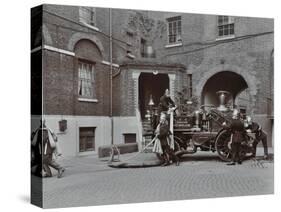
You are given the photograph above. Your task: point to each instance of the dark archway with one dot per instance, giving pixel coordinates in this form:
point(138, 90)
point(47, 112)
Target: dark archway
point(151, 84)
point(227, 81)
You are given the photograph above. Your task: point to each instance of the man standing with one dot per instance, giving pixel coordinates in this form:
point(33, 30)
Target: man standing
point(165, 102)
point(260, 135)
point(168, 107)
point(237, 135)
point(162, 133)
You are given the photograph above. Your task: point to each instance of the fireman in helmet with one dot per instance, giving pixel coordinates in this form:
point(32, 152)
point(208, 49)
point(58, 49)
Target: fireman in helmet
point(165, 102)
point(163, 132)
point(260, 135)
point(237, 135)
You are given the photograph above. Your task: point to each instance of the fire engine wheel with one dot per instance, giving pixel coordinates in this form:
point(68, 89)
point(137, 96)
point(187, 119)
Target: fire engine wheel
point(222, 145)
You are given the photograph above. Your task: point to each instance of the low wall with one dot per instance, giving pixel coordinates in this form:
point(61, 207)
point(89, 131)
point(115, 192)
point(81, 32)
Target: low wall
point(104, 151)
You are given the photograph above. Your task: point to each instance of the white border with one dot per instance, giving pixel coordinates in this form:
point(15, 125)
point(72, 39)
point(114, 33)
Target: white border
point(15, 107)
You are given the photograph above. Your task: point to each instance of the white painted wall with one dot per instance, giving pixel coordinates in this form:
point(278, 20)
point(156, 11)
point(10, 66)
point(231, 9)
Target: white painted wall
point(124, 125)
point(69, 140)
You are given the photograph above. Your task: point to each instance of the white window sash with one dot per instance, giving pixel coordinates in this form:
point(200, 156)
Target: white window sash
point(86, 80)
point(174, 30)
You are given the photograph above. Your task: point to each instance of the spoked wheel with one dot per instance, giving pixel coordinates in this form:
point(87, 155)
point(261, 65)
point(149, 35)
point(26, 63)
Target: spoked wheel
point(222, 145)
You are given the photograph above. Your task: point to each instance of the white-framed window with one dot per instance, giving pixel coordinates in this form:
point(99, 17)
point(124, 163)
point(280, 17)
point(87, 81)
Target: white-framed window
point(225, 26)
point(86, 80)
point(174, 30)
point(87, 15)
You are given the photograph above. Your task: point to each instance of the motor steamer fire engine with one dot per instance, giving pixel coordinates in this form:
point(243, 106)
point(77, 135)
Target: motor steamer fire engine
point(204, 130)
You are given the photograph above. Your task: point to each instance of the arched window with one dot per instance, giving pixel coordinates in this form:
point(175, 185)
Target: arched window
point(88, 55)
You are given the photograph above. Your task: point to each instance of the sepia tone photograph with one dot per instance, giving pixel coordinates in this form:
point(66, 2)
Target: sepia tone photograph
point(132, 106)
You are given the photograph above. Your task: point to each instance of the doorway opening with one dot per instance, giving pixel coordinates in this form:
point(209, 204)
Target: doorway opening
point(151, 86)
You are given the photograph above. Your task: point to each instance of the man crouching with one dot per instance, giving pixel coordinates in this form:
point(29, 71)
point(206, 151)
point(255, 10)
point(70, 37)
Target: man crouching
point(162, 133)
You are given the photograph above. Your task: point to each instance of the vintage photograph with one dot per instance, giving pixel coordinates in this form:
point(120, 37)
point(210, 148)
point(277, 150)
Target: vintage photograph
point(132, 106)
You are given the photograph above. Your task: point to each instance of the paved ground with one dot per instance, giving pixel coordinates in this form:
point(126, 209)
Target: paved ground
point(89, 181)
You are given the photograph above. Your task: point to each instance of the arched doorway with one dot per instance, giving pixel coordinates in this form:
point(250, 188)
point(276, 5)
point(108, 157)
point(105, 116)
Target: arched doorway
point(153, 85)
point(229, 81)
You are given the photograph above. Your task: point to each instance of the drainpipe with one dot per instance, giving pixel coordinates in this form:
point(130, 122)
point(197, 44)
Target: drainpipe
point(111, 75)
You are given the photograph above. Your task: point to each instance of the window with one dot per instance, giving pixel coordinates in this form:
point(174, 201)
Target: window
point(130, 38)
point(86, 139)
point(225, 26)
point(130, 138)
point(86, 80)
point(87, 15)
point(146, 50)
point(174, 30)
point(143, 47)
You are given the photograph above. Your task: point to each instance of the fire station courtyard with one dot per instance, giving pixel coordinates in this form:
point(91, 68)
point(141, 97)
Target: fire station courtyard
point(90, 181)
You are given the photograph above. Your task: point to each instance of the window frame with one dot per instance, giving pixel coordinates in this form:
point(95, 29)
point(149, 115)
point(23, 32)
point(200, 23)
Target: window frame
point(228, 26)
point(127, 135)
point(92, 22)
point(93, 97)
point(176, 28)
point(91, 13)
point(87, 150)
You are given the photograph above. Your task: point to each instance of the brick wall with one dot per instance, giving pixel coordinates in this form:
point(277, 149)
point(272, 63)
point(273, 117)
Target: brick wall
point(249, 57)
point(60, 71)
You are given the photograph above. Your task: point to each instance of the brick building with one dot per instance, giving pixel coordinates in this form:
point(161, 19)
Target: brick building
point(100, 63)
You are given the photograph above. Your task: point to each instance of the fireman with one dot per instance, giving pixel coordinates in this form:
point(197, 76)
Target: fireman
point(163, 132)
point(165, 102)
point(260, 135)
point(237, 135)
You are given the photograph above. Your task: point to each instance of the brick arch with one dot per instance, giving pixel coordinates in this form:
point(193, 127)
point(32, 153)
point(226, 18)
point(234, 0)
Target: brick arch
point(86, 49)
point(83, 36)
point(249, 79)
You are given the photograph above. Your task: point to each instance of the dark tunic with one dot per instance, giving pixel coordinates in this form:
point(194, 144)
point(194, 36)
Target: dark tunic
point(260, 136)
point(164, 132)
point(237, 129)
point(238, 132)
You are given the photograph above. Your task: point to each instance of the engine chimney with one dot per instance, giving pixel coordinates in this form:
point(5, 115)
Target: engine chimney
point(222, 99)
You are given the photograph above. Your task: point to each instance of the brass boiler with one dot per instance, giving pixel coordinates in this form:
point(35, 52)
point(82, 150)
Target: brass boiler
point(197, 119)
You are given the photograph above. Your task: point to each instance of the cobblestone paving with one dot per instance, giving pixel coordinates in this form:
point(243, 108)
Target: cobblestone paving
point(89, 181)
